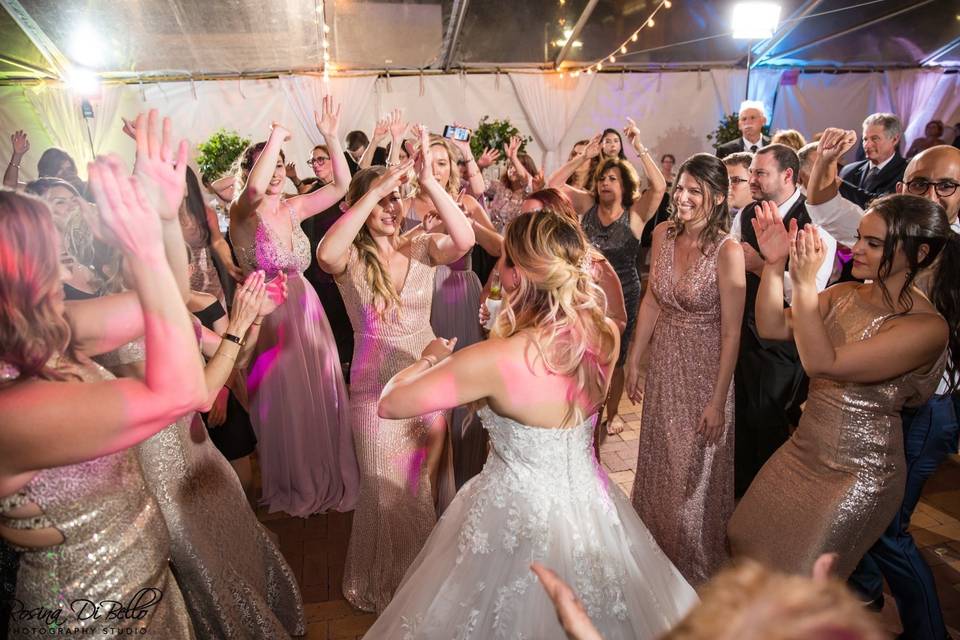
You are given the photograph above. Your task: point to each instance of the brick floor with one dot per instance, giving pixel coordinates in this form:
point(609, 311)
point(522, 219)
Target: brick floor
point(315, 547)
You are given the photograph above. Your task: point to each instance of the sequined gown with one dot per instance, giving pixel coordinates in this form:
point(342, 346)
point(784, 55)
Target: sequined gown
point(683, 489)
point(836, 484)
point(542, 496)
point(202, 270)
point(115, 547)
point(395, 512)
point(298, 398)
point(236, 582)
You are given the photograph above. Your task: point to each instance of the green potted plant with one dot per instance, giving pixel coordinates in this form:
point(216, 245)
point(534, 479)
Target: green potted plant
point(495, 134)
point(729, 129)
point(218, 153)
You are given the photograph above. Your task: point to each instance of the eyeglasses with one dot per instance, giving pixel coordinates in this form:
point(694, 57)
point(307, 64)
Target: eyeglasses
point(735, 180)
point(920, 187)
point(318, 160)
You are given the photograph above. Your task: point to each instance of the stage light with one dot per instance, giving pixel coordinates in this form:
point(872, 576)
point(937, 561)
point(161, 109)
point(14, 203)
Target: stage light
point(86, 47)
point(755, 20)
point(82, 82)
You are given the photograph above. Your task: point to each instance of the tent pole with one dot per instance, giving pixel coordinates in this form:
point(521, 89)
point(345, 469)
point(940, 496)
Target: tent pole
point(939, 53)
point(46, 47)
point(577, 30)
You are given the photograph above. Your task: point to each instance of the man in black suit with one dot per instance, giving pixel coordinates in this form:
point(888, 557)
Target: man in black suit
point(770, 384)
point(879, 174)
point(751, 121)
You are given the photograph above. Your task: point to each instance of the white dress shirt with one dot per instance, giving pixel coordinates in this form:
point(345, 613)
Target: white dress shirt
point(830, 243)
point(747, 144)
point(839, 216)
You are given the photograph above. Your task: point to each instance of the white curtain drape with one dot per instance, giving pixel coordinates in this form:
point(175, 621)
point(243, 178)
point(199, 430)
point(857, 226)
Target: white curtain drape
point(551, 103)
point(305, 94)
point(60, 115)
point(730, 86)
point(911, 93)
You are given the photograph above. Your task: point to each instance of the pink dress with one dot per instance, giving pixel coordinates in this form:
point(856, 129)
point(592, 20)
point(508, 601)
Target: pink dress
point(298, 398)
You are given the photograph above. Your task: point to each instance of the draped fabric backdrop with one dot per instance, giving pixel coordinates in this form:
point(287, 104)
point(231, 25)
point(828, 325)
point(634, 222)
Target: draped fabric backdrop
point(551, 102)
point(675, 111)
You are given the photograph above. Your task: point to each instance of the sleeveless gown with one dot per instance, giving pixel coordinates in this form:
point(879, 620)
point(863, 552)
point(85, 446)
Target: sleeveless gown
point(236, 582)
point(683, 489)
point(395, 512)
point(839, 480)
point(298, 398)
point(116, 547)
point(620, 247)
point(542, 496)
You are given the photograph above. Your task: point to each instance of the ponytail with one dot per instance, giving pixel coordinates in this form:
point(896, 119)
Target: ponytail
point(945, 294)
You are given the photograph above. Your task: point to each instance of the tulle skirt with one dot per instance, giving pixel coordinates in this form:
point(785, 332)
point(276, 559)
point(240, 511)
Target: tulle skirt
point(456, 301)
point(299, 409)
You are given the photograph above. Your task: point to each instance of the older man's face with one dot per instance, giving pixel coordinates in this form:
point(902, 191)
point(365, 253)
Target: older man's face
point(751, 123)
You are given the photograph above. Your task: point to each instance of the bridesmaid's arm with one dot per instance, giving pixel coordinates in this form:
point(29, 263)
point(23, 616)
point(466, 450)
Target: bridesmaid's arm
point(732, 281)
point(647, 317)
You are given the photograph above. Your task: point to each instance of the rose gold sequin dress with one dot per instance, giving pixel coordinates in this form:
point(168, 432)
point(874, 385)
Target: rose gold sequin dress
point(298, 398)
point(683, 490)
point(236, 583)
point(395, 513)
point(115, 547)
point(838, 481)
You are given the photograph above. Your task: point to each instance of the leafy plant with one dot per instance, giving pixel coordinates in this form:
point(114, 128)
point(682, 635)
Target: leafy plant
point(219, 152)
point(729, 129)
point(495, 134)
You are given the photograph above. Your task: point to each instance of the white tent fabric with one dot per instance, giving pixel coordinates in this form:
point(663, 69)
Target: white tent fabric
point(910, 91)
point(551, 102)
point(675, 111)
point(305, 95)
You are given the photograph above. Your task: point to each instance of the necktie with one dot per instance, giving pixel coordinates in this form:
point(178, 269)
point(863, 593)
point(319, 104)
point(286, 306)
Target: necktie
point(753, 149)
point(871, 178)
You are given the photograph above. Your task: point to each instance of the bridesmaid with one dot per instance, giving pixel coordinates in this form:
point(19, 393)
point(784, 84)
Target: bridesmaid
point(870, 349)
point(298, 398)
point(456, 296)
point(387, 285)
point(690, 318)
point(72, 495)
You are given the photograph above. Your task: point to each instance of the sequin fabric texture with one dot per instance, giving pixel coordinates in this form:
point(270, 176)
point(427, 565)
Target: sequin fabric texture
point(116, 548)
point(683, 490)
point(839, 480)
point(395, 512)
point(542, 496)
point(268, 252)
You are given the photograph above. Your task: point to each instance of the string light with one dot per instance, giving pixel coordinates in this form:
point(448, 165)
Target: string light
point(611, 57)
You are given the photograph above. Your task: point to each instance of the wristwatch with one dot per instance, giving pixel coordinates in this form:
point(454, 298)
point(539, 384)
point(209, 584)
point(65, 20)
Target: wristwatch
point(233, 338)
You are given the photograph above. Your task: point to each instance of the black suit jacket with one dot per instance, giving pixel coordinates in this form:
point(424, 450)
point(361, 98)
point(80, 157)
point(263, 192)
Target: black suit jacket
point(735, 146)
point(797, 212)
point(857, 188)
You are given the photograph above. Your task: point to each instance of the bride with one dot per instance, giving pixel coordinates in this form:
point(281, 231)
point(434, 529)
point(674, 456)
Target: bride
point(542, 496)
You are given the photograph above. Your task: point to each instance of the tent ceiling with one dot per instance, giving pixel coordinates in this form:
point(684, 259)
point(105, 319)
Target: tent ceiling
point(224, 37)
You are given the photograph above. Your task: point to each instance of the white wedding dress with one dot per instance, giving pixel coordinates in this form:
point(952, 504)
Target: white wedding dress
point(542, 496)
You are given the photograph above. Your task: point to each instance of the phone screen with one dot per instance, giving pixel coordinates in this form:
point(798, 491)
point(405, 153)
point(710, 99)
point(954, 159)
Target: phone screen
point(456, 133)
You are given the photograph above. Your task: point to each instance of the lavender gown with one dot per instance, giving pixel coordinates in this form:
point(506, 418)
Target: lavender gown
point(298, 399)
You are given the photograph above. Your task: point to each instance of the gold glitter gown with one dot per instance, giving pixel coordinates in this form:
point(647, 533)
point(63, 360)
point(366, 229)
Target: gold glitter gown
point(683, 490)
point(116, 548)
point(236, 582)
point(837, 483)
point(395, 512)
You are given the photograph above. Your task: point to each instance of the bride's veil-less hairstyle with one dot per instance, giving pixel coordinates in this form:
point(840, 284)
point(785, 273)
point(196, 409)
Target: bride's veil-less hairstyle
point(32, 327)
point(557, 300)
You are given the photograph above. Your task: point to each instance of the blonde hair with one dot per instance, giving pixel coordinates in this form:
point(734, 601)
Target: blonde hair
point(751, 602)
point(32, 328)
point(790, 137)
point(453, 180)
point(558, 300)
point(385, 296)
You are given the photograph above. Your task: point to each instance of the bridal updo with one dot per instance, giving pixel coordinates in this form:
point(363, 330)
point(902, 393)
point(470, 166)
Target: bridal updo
point(556, 297)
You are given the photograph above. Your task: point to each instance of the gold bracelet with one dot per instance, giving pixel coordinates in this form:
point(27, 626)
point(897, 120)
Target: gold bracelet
point(256, 324)
point(431, 360)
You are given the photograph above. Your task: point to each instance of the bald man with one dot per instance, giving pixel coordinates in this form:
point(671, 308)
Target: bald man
point(930, 432)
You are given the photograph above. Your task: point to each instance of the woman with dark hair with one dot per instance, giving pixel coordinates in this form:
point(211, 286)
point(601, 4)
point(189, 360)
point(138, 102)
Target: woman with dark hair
point(613, 216)
point(870, 350)
point(387, 284)
point(201, 230)
point(690, 320)
point(507, 194)
point(73, 499)
point(611, 145)
point(57, 163)
point(298, 397)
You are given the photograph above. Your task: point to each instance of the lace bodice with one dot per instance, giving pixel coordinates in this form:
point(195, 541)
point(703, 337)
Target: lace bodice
point(270, 253)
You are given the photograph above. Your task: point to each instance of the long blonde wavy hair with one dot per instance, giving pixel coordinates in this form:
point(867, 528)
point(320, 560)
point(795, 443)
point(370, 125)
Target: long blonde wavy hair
point(452, 185)
point(378, 277)
point(32, 327)
point(558, 301)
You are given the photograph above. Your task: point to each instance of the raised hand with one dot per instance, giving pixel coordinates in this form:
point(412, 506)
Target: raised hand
point(127, 220)
point(834, 143)
point(539, 181)
point(396, 124)
point(391, 179)
point(487, 158)
point(592, 148)
point(513, 147)
point(381, 130)
point(807, 254)
point(632, 132)
point(772, 236)
point(20, 144)
point(290, 169)
point(246, 303)
point(462, 145)
point(162, 177)
point(277, 129)
point(424, 159)
point(329, 121)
